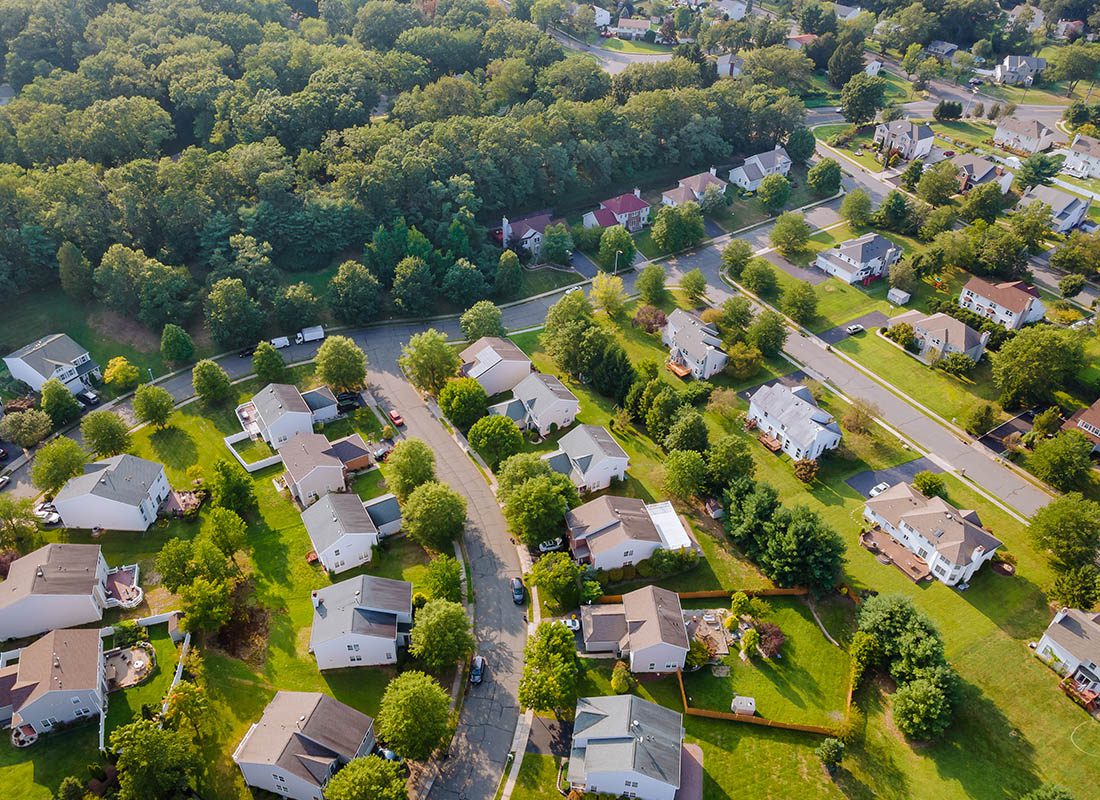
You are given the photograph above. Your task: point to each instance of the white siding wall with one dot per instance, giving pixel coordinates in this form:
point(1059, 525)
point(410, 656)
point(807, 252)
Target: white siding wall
point(372, 650)
point(287, 427)
point(561, 413)
point(325, 414)
point(631, 784)
point(319, 482)
point(657, 658)
point(21, 371)
point(41, 613)
point(90, 511)
point(262, 776)
point(59, 707)
point(599, 477)
point(349, 551)
point(627, 553)
point(503, 377)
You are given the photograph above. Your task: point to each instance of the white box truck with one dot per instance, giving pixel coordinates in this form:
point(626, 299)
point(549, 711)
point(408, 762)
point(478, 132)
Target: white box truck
point(313, 334)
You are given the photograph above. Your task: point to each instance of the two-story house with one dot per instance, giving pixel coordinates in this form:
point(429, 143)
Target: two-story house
point(693, 188)
point(944, 51)
point(846, 13)
point(940, 335)
point(860, 260)
point(300, 742)
point(525, 233)
point(1083, 158)
point(342, 532)
point(729, 65)
point(750, 173)
point(1071, 646)
point(495, 363)
point(977, 171)
point(312, 468)
point(627, 28)
point(1012, 304)
point(1067, 211)
point(55, 586)
point(1086, 421)
point(950, 541)
point(646, 629)
point(58, 680)
point(1023, 135)
point(909, 140)
point(54, 356)
point(790, 420)
point(590, 457)
point(628, 210)
point(602, 17)
point(121, 493)
point(360, 622)
point(541, 403)
point(1031, 18)
point(694, 347)
point(1019, 70)
point(279, 412)
point(612, 531)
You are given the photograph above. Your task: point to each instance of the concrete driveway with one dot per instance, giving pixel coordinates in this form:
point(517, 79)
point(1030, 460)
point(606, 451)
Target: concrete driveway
point(865, 481)
point(870, 321)
point(795, 378)
point(691, 773)
point(1020, 424)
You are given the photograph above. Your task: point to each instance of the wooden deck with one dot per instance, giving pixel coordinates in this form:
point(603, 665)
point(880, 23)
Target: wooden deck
point(889, 551)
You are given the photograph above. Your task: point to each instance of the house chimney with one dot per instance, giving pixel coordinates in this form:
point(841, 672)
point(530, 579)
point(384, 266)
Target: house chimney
point(637, 192)
point(714, 171)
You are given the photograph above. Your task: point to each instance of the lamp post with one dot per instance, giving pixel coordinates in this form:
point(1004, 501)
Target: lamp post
point(617, 254)
point(150, 371)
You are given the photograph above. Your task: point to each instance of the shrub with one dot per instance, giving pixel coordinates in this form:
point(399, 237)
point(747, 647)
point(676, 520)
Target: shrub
point(630, 572)
point(930, 484)
point(806, 469)
point(771, 639)
point(621, 679)
point(650, 318)
point(615, 575)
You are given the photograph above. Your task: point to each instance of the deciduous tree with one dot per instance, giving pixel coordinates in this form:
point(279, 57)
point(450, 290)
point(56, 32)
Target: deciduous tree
point(58, 402)
point(651, 284)
point(617, 248)
point(25, 428)
point(463, 400)
point(434, 515)
point(56, 462)
point(210, 382)
point(685, 474)
point(428, 360)
point(535, 509)
point(355, 294)
point(441, 634)
point(414, 717)
point(558, 576)
point(410, 464)
point(153, 761)
point(367, 778)
point(230, 487)
point(341, 364)
point(1063, 461)
point(774, 192)
point(790, 233)
point(694, 285)
point(483, 318)
point(856, 208)
point(550, 669)
point(176, 344)
point(495, 437)
point(105, 433)
point(799, 302)
point(608, 294)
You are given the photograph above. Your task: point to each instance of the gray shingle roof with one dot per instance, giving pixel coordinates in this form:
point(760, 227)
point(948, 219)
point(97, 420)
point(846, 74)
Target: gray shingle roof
point(694, 336)
point(867, 247)
point(46, 354)
point(590, 444)
point(1086, 145)
point(384, 509)
point(1079, 633)
point(1061, 203)
point(307, 451)
point(321, 397)
point(538, 391)
point(978, 170)
point(52, 569)
point(769, 159)
point(1029, 127)
point(626, 732)
point(342, 607)
point(124, 479)
point(795, 410)
point(654, 616)
point(63, 660)
point(277, 399)
point(916, 131)
point(610, 520)
point(335, 516)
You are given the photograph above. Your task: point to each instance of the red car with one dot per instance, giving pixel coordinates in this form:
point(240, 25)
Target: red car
point(396, 418)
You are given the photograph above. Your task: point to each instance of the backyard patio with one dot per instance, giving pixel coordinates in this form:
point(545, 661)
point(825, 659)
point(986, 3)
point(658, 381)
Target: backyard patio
point(128, 666)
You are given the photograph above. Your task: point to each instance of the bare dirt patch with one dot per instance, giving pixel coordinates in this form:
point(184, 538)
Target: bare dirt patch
point(129, 331)
point(245, 636)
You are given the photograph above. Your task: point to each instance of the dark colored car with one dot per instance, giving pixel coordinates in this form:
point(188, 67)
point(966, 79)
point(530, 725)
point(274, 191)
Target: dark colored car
point(477, 670)
point(246, 352)
point(88, 398)
point(348, 397)
point(346, 408)
point(3, 454)
point(519, 592)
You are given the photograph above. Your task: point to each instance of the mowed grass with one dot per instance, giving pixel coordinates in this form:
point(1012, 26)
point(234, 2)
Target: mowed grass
point(536, 778)
point(971, 133)
point(861, 141)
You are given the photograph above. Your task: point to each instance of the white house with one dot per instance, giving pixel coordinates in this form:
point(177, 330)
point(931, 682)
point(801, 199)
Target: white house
point(628, 210)
point(1067, 211)
point(624, 746)
point(1012, 304)
point(729, 65)
point(1031, 17)
point(603, 16)
point(692, 189)
point(53, 356)
point(1069, 28)
point(861, 259)
point(1023, 135)
point(940, 335)
point(300, 742)
point(526, 233)
point(951, 542)
point(647, 629)
point(591, 458)
point(58, 680)
point(55, 586)
point(495, 363)
point(846, 13)
point(1083, 158)
point(312, 468)
point(1086, 421)
point(342, 532)
point(279, 412)
point(120, 493)
point(873, 68)
point(627, 28)
point(908, 139)
point(977, 171)
point(360, 621)
point(757, 167)
point(540, 402)
point(1071, 645)
point(1019, 70)
point(612, 531)
point(693, 346)
point(792, 422)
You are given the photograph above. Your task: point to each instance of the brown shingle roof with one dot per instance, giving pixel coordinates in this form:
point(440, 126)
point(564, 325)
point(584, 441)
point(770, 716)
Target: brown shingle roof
point(954, 533)
point(61, 660)
point(307, 451)
point(1013, 295)
point(52, 569)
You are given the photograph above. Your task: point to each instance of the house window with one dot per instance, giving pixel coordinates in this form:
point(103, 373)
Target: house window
point(652, 666)
point(353, 648)
point(336, 552)
point(627, 553)
point(49, 722)
point(76, 701)
point(278, 777)
point(356, 659)
point(389, 656)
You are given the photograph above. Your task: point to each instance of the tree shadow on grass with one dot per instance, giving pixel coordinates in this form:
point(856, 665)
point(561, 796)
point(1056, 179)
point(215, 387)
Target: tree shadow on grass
point(888, 776)
point(175, 448)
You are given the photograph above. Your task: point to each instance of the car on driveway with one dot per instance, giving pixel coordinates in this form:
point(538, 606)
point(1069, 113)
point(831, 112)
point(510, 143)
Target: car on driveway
point(854, 329)
point(4, 480)
point(3, 454)
point(878, 489)
point(572, 623)
point(88, 398)
point(396, 418)
point(519, 591)
point(550, 545)
point(477, 670)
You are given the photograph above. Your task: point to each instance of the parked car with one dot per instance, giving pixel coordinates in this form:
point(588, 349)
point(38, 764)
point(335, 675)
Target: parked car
point(346, 408)
point(477, 670)
point(279, 342)
point(550, 545)
point(88, 398)
point(396, 418)
point(246, 352)
point(50, 519)
point(3, 454)
point(853, 329)
point(572, 623)
point(382, 452)
point(46, 507)
point(519, 591)
point(4, 480)
point(348, 397)
point(879, 489)
point(389, 755)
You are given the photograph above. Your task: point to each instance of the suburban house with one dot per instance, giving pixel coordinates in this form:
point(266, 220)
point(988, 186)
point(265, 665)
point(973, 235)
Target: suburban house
point(312, 468)
point(729, 65)
point(846, 13)
point(757, 167)
point(302, 740)
point(526, 233)
point(1067, 211)
point(942, 50)
point(1087, 422)
point(694, 347)
point(540, 402)
point(860, 260)
point(53, 356)
point(55, 586)
point(1023, 135)
point(789, 420)
point(977, 171)
point(1083, 158)
point(1069, 28)
point(646, 629)
point(602, 16)
point(951, 542)
point(120, 493)
point(627, 28)
point(341, 530)
point(801, 41)
point(1032, 17)
point(908, 139)
point(628, 210)
point(612, 531)
point(591, 458)
point(1071, 646)
point(873, 68)
point(360, 621)
point(1012, 304)
point(1019, 70)
point(624, 746)
point(58, 680)
point(278, 412)
point(692, 189)
point(940, 335)
point(495, 363)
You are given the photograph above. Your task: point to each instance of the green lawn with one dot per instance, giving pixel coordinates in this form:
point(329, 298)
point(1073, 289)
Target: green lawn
point(631, 46)
point(968, 133)
point(362, 421)
point(861, 142)
point(537, 281)
point(253, 450)
point(536, 778)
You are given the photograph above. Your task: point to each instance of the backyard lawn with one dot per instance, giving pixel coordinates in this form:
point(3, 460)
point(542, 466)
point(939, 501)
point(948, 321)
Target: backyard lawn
point(978, 135)
point(632, 46)
point(861, 142)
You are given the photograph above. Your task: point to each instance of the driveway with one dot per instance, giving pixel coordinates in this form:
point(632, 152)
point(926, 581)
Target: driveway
point(691, 773)
point(1021, 424)
point(811, 276)
point(792, 379)
point(870, 321)
point(584, 265)
point(549, 737)
point(712, 228)
point(865, 481)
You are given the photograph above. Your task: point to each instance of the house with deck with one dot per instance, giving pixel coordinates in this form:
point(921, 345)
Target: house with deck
point(279, 412)
point(940, 335)
point(495, 363)
point(360, 622)
point(860, 260)
point(694, 347)
point(55, 586)
point(1019, 70)
point(590, 457)
point(1071, 646)
point(120, 493)
point(951, 542)
point(54, 356)
point(611, 531)
point(752, 171)
point(1067, 211)
point(541, 403)
point(1012, 304)
point(1083, 157)
point(789, 420)
point(646, 629)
